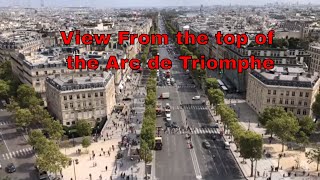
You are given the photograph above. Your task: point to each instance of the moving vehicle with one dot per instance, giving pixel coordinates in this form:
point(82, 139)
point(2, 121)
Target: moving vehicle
point(168, 82)
point(195, 97)
point(171, 125)
point(159, 109)
point(168, 116)
point(10, 168)
point(206, 144)
point(165, 95)
point(172, 81)
point(158, 143)
point(167, 106)
point(226, 145)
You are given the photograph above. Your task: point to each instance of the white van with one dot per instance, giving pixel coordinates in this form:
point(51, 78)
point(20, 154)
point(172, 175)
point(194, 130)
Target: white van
point(226, 145)
point(195, 97)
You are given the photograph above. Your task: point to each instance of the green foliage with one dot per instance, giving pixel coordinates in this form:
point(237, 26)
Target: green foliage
point(284, 127)
point(27, 96)
point(211, 83)
point(270, 113)
point(251, 147)
point(13, 106)
point(316, 106)
point(83, 128)
point(215, 96)
point(307, 125)
point(4, 89)
point(54, 128)
point(86, 142)
point(5, 71)
point(314, 156)
point(52, 160)
point(23, 118)
point(145, 152)
point(38, 141)
point(39, 114)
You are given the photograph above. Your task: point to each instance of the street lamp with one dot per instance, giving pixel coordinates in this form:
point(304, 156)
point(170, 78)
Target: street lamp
point(249, 125)
point(74, 169)
point(279, 157)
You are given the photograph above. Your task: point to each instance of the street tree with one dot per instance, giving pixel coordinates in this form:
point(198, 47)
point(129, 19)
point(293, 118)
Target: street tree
point(13, 106)
point(316, 107)
point(145, 152)
point(85, 142)
point(151, 99)
point(39, 115)
point(38, 141)
point(307, 125)
point(284, 127)
point(314, 156)
point(6, 71)
point(54, 129)
point(147, 134)
point(27, 96)
point(211, 83)
point(251, 147)
point(4, 90)
point(215, 96)
point(52, 160)
point(83, 128)
point(270, 113)
point(23, 118)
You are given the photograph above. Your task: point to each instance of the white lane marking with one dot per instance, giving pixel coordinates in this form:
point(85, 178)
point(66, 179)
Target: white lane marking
point(4, 142)
point(8, 157)
point(3, 156)
point(167, 145)
point(195, 162)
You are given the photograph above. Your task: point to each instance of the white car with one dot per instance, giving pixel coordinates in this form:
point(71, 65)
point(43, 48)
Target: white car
point(195, 97)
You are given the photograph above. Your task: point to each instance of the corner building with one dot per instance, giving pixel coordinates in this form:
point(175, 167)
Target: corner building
point(291, 88)
point(70, 99)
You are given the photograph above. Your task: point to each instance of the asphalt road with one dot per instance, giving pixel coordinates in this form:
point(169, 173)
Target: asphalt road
point(176, 161)
point(14, 149)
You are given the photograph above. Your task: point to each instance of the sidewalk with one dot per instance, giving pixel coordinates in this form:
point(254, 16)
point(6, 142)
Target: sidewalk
point(116, 127)
point(249, 120)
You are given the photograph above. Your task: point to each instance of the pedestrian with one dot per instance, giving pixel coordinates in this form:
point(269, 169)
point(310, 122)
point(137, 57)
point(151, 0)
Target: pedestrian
point(106, 168)
point(100, 177)
point(101, 149)
point(264, 174)
point(258, 174)
point(109, 153)
point(113, 147)
point(104, 153)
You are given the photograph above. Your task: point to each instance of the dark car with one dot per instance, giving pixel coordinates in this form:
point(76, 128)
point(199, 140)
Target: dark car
point(172, 125)
point(206, 144)
point(127, 99)
point(10, 168)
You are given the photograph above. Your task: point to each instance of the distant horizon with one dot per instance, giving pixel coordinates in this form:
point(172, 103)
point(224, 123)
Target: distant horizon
point(144, 3)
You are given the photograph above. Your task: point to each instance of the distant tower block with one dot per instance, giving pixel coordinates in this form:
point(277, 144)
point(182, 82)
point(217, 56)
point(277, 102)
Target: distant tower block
point(42, 3)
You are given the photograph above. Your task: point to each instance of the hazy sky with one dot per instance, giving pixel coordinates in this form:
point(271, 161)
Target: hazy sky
point(142, 3)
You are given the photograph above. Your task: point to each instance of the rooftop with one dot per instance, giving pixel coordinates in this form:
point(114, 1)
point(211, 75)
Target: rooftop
point(291, 76)
point(68, 83)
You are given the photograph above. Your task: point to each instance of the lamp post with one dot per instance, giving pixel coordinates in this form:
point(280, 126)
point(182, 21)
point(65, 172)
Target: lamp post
point(74, 170)
point(255, 170)
point(279, 157)
point(249, 125)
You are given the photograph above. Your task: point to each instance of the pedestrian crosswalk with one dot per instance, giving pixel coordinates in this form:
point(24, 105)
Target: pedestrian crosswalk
point(2, 123)
point(189, 107)
point(194, 131)
point(178, 86)
point(18, 153)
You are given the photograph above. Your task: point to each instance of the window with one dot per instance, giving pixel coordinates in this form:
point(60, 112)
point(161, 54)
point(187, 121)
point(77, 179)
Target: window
point(280, 102)
point(79, 105)
point(293, 93)
point(286, 101)
point(37, 73)
point(292, 102)
point(301, 94)
point(101, 102)
point(65, 98)
point(299, 103)
point(274, 92)
point(298, 111)
point(68, 123)
point(273, 100)
point(268, 100)
point(54, 71)
point(73, 122)
point(71, 105)
point(101, 93)
point(66, 106)
point(70, 97)
point(269, 91)
point(305, 103)
point(45, 72)
point(96, 94)
point(307, 94)
point(89, 95)
point(84, 104)
point(83, 95)
point(78, 96)
point(304, 112)
point(287, 93)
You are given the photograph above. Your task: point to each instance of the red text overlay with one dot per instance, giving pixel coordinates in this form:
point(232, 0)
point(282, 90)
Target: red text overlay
point(186, 38)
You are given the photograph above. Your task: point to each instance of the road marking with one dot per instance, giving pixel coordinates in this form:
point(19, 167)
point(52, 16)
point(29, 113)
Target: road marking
point(3, 156)
point(167, 145)
point(7, 156)
point(195, 162)
point(4, 142)
point(13, 154)
point(10, 155)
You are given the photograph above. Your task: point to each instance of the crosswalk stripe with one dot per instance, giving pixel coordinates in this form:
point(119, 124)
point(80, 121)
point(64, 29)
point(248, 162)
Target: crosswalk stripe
point(7, 155)
point(13, 154)
point(3, 156)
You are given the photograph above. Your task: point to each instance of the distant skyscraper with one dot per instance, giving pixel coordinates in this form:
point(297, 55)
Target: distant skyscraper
point(42, 3)
point(201, 10)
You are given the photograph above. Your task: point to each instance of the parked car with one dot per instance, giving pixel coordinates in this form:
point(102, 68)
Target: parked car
point(10, 168)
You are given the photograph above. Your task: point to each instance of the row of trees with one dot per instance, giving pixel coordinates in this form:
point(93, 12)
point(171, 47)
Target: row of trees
point(28, 112)
point(149, 121)
point(188, 50)
point(249, 142)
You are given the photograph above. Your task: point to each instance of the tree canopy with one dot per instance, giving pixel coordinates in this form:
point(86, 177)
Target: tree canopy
point(270, 113)
point(83, 127)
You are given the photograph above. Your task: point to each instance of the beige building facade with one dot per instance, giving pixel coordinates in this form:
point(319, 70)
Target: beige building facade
point(73, 98)
point(314, 51)
point(290, 88)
